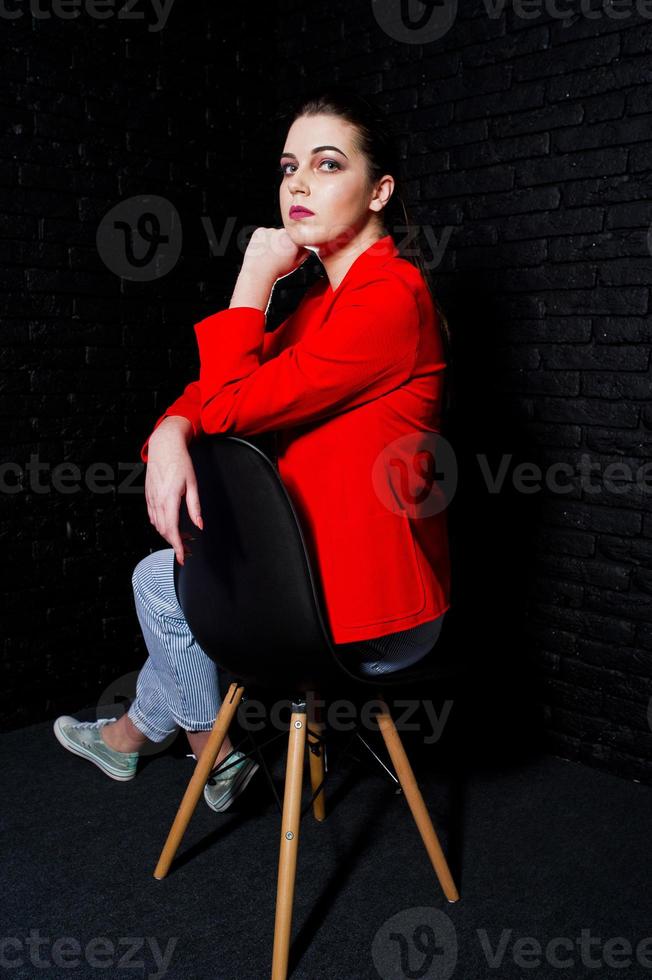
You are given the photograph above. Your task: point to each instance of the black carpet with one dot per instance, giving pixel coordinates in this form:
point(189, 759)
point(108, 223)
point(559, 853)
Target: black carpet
point(541, 850)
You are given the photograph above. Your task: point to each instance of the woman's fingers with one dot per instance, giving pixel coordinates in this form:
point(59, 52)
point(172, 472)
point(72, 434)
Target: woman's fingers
point(170, 474)
point(192, 499)
point(172, 528)
point(150, 500)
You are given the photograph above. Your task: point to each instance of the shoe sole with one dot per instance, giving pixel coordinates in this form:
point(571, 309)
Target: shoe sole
point(86, 754)
point(236, 789)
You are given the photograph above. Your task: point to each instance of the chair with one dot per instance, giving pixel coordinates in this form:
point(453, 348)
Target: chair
point(253, 604)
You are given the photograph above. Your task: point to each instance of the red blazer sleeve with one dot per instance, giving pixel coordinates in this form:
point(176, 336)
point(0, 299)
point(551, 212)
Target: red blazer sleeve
point(188, 403)
point(366, 347)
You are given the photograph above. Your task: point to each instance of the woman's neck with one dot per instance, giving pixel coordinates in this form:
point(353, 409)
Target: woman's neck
point(337, 263)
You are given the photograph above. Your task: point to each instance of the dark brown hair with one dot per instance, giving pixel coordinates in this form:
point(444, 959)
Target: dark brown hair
point(379, 144)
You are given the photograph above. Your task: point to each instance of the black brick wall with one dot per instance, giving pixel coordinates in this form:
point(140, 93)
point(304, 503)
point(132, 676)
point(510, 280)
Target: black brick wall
point(530, 140)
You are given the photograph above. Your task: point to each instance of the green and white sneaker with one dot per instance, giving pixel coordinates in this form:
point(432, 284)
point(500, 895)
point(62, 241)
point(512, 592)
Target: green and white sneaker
point(84, 739)
point(221, 789)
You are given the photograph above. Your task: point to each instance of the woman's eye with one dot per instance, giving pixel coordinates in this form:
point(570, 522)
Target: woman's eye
point(283, 167)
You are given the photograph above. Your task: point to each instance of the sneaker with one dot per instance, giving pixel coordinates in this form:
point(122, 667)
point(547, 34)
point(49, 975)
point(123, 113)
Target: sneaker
point(84, 739)
point(221, 789)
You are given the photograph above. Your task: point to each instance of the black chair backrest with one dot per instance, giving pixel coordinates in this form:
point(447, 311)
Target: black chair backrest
point(248, 590)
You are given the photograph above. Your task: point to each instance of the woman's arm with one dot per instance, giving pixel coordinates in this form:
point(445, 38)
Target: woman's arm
point(366, 348)
point(270, 255)
point(187, 407)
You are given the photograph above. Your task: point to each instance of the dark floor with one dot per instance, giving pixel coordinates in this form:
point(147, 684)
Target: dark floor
point(540, 848)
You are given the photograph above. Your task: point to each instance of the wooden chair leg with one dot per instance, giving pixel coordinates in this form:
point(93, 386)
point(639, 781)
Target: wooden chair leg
point(202, 771)
point(316, 757)
point(415, 800)
point(287, 864)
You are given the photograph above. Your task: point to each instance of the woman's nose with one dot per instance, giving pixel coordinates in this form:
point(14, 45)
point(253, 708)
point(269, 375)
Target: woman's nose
point(297, 184)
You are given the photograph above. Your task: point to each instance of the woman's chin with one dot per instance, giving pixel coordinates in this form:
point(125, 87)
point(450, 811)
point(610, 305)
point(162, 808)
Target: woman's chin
point(305, 238)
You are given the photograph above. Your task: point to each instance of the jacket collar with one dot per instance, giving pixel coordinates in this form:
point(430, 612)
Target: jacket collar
point(364, 265)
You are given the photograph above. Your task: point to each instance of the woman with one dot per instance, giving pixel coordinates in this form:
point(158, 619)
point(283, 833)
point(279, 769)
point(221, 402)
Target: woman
point(352, 384)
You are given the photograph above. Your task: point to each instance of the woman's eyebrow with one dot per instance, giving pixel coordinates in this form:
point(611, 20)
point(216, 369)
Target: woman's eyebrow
point(317, 149)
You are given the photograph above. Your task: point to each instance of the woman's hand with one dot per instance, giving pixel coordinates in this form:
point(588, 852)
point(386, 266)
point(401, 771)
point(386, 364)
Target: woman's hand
point(170, 474)
point(272, 254)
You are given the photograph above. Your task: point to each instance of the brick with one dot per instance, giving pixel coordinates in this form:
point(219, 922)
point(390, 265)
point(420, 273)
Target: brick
point(469, 182)
point(539, 199)
point(543, 120)
point(546, 382)
point(620, 441)
point(608, 190)
point(596, 247)
point(566, 542)
point(499, 151)
point(585, 517)
point(611, 133)
point(595, 81)
point(587, 411)
point(582, 54)
point(570, 166)
point(617, 329)
point(601, 300)
point(553, 222)
point(495, 104)
point(575, 330)
point(555, 435)
point(620, 357)
point(600, 384)
point(609, 106)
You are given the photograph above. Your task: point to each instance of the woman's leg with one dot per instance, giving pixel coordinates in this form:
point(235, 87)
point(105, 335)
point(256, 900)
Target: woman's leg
point(178, 685)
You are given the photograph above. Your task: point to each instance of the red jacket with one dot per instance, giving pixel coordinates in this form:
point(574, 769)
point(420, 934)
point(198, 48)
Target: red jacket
point(352, 383)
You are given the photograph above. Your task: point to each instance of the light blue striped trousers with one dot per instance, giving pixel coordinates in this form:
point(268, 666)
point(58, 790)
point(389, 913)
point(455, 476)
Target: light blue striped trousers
point(178, 685)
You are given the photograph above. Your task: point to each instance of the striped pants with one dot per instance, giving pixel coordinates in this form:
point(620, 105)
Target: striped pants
point(178, 685)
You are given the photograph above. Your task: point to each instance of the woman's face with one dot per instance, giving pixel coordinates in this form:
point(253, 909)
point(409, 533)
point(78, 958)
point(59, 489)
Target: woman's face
point(323, 172)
